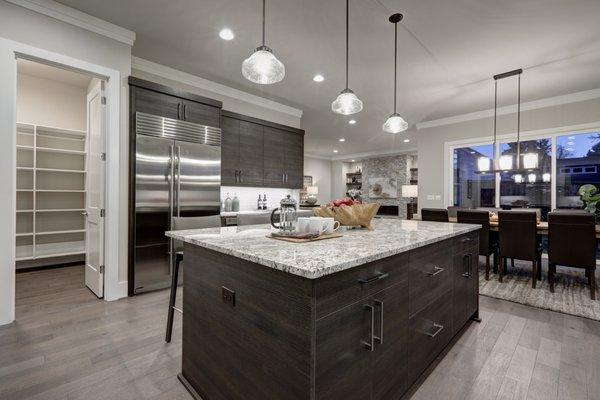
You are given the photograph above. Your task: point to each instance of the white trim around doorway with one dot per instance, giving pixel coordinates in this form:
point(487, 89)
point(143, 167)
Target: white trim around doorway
point(8, 81)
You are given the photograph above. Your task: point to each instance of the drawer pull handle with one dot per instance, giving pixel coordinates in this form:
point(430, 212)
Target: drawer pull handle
point(437, 329)
point(377, 277)
point(379, 338)
point(370, 343)
point(436, 270)
point(466, 240)
point(468, 259)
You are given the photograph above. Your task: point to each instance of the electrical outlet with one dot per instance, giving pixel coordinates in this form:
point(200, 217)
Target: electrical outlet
point(228, 296)
point(430, 197)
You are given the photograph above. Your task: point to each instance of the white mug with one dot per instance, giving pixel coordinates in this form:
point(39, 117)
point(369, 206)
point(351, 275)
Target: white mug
point(316, 225)
point(303, 225)
point(331, 225)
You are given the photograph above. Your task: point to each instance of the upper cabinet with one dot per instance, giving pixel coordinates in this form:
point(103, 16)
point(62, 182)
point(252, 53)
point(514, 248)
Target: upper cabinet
point(155, 99)
point(260, 153)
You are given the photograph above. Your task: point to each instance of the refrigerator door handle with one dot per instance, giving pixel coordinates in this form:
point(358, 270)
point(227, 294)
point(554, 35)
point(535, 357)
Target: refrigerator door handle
point(178, 169)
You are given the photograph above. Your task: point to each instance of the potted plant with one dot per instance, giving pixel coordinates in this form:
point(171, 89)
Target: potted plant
point(591, 198)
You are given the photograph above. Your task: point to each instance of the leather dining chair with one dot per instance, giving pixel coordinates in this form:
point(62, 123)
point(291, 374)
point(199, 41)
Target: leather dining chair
point(434, 214)
point(519, 240)
point(488, 240)
point(183, 223)
point(572, 243)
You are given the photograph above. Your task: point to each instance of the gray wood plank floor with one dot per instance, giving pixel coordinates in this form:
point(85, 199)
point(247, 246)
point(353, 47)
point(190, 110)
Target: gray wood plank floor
point(68, 345)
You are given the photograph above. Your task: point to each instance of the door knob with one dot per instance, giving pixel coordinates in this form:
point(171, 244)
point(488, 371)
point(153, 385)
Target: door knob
point(84, 213)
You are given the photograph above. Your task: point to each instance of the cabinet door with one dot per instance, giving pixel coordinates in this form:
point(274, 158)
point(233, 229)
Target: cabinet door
point(230, 151)
point(251, 154)
point(274, 157)
point(199, 113)
point(389, 361)
point(342, 360)
point(466, 286)
point(294, 160)
point(155, 103)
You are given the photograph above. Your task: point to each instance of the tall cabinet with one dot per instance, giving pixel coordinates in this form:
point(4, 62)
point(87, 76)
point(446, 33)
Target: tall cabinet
point(50, 226)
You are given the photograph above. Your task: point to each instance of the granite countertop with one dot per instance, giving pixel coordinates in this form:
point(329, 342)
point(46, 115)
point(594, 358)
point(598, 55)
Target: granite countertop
point(316, 259)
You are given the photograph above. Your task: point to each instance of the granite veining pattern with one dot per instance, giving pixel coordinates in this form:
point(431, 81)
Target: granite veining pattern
point(316, 259)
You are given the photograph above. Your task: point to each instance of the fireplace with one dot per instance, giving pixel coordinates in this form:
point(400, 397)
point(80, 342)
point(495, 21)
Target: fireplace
point(388, 210)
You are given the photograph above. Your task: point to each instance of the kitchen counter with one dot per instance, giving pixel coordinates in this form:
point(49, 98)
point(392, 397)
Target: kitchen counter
point(356, 317)
point(316, 259)
point(236, 213)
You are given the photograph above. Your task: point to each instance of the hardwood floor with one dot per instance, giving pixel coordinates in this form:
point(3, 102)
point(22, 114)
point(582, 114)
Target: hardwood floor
point(66, 344)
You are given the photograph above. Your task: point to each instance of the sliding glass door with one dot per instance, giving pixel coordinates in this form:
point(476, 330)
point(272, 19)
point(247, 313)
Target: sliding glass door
point(471, 189)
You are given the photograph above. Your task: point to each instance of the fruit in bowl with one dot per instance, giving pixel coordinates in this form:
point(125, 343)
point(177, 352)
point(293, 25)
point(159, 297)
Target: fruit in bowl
point(350, 212)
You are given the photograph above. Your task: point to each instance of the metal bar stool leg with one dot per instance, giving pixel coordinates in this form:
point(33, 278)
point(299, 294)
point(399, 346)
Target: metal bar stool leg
point(173, 297)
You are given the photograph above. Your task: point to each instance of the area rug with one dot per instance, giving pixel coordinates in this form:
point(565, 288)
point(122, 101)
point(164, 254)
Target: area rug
point(571, 291)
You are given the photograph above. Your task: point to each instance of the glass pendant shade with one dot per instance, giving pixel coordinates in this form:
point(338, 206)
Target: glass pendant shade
point(395, 124)
point(518, 178)
point(484, 164)
point(530, 160)
point(546, 177)
point(263, 67)
point(347, 103)
point(531, 178)
point(506, 162)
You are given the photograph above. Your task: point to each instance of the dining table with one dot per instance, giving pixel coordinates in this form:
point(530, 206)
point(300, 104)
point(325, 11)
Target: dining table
point(542, 226)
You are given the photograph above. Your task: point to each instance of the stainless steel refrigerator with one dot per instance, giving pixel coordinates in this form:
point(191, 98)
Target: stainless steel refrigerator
point(177, 174)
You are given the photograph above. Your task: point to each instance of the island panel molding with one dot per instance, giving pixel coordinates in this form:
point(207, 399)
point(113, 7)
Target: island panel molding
point(347, 333)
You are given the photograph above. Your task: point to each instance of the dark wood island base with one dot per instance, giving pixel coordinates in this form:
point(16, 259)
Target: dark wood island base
point(253, 332)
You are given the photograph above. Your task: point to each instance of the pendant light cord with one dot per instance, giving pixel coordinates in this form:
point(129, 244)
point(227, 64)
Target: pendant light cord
point(347, 41)
point(395, 62)
point(519, 123)
point(263, 24)
point(495, 120)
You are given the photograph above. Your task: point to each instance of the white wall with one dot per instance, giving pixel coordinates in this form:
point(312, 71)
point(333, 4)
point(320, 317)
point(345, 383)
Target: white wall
point(48, 34)
point(432, 141)
point(45, 102)
point(320, 170)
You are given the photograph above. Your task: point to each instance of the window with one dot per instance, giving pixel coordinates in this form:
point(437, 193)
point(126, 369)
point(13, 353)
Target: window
point(531, 188)
point(577, 161)
point(472, 189)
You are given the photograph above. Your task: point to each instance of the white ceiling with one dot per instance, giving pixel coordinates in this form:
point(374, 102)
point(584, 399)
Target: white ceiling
point(448, 51)
point(55, 74)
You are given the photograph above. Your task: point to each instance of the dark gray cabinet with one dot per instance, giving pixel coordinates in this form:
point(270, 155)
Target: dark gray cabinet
point(156, 103)
point(260, 153)
point(466, 280)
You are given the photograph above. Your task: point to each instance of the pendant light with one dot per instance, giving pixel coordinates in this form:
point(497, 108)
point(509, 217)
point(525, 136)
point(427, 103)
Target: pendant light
point(347, 102)
point(395, 123)
point(262, 66)
point(505, 162)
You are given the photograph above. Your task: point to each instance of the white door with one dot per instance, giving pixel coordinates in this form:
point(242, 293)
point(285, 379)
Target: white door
point(94, 184)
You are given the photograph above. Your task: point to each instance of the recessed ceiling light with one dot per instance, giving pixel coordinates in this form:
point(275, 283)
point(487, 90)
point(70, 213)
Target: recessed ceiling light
point(335, 151)
point(318, 78)
point(352, 121)
point(406, 140)
point(342, 139)
point(352, 160)
point(226, 34)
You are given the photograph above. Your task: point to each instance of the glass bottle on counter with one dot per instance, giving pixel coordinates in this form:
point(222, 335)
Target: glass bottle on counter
point(264, 202)
point(228, 205)
point(235, 203)
point(259, 203)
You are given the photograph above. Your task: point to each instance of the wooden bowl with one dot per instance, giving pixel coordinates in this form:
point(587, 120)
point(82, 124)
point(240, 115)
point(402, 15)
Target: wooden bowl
point(355, 215)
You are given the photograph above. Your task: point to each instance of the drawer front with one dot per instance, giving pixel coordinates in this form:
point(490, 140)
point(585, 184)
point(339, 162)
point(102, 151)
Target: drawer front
point(466, 241)
point(335, 291)
point(466, 286)
point(428, 333)
point(430, 274)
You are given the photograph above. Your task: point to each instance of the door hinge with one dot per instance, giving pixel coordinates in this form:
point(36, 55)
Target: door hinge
point(102, 212)
point(101, 269)
point(103, 156)
point(103, 100)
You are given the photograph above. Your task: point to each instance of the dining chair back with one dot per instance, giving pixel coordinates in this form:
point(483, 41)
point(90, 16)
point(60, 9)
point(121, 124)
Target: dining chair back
point(572, 243)
point(488, 240)
point(434, 214)
point(518, 240)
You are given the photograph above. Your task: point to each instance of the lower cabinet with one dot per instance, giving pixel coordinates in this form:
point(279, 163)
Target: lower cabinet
point(361, 349)
point(466, 285)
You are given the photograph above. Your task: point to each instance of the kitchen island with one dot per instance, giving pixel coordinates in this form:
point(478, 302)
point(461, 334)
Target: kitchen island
point(357, 317)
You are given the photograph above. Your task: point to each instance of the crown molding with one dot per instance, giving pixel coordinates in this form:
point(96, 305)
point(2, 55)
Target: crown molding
point(201, 83)
point(77, 18)
point(316, 156)
point(367, 154)
point(511, 109)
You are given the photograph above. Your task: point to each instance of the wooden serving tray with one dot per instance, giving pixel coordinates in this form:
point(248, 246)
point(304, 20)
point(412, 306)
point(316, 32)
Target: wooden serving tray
point(292, 239)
